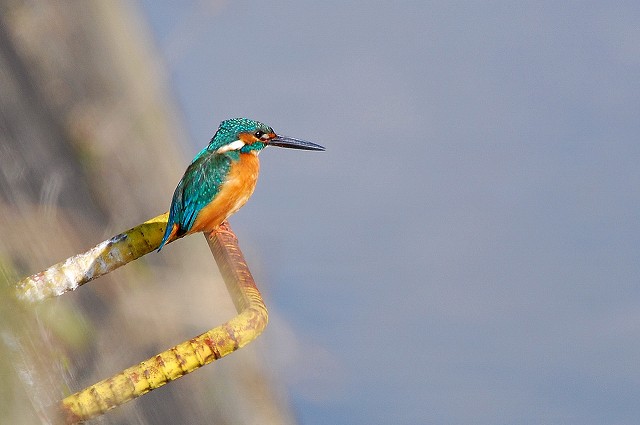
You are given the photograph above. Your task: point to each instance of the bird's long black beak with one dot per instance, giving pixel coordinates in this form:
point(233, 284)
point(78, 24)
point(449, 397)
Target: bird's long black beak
point(290, 142)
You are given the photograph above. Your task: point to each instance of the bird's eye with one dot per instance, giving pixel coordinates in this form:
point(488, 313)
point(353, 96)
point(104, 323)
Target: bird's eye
point(258, 134)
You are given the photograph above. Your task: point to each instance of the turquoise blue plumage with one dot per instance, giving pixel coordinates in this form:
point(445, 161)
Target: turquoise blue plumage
point(206, 186)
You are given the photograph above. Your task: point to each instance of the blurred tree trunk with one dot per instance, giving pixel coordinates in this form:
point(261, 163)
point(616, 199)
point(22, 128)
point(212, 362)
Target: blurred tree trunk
point(89, 147)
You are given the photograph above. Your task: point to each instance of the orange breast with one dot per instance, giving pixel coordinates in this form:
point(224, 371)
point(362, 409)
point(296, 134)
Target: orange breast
point(235, 192)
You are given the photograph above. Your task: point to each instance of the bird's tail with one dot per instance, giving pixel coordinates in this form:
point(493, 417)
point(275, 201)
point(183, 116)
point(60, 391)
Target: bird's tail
point(169, 235)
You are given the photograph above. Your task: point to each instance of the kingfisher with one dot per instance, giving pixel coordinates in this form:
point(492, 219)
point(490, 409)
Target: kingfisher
point(222, 176)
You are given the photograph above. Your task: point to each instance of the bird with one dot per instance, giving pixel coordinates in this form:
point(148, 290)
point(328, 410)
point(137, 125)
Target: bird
point(222, 176)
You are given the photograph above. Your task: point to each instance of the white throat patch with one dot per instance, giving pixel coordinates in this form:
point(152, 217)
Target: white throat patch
point(233, 146)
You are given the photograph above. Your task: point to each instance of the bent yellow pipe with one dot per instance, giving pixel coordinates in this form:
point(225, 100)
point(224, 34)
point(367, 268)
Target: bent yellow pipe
point(176, 361)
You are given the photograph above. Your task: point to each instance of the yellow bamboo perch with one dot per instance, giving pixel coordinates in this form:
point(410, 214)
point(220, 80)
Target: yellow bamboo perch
point(176, 361)
point(99, 260)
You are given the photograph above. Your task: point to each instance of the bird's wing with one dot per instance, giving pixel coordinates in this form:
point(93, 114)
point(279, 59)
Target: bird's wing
point(201, 183)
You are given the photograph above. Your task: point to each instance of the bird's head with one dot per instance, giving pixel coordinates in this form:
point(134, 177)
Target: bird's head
point(243, 135)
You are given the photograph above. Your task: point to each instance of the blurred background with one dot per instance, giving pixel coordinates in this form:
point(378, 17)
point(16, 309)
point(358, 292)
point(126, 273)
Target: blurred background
point(465, 251)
